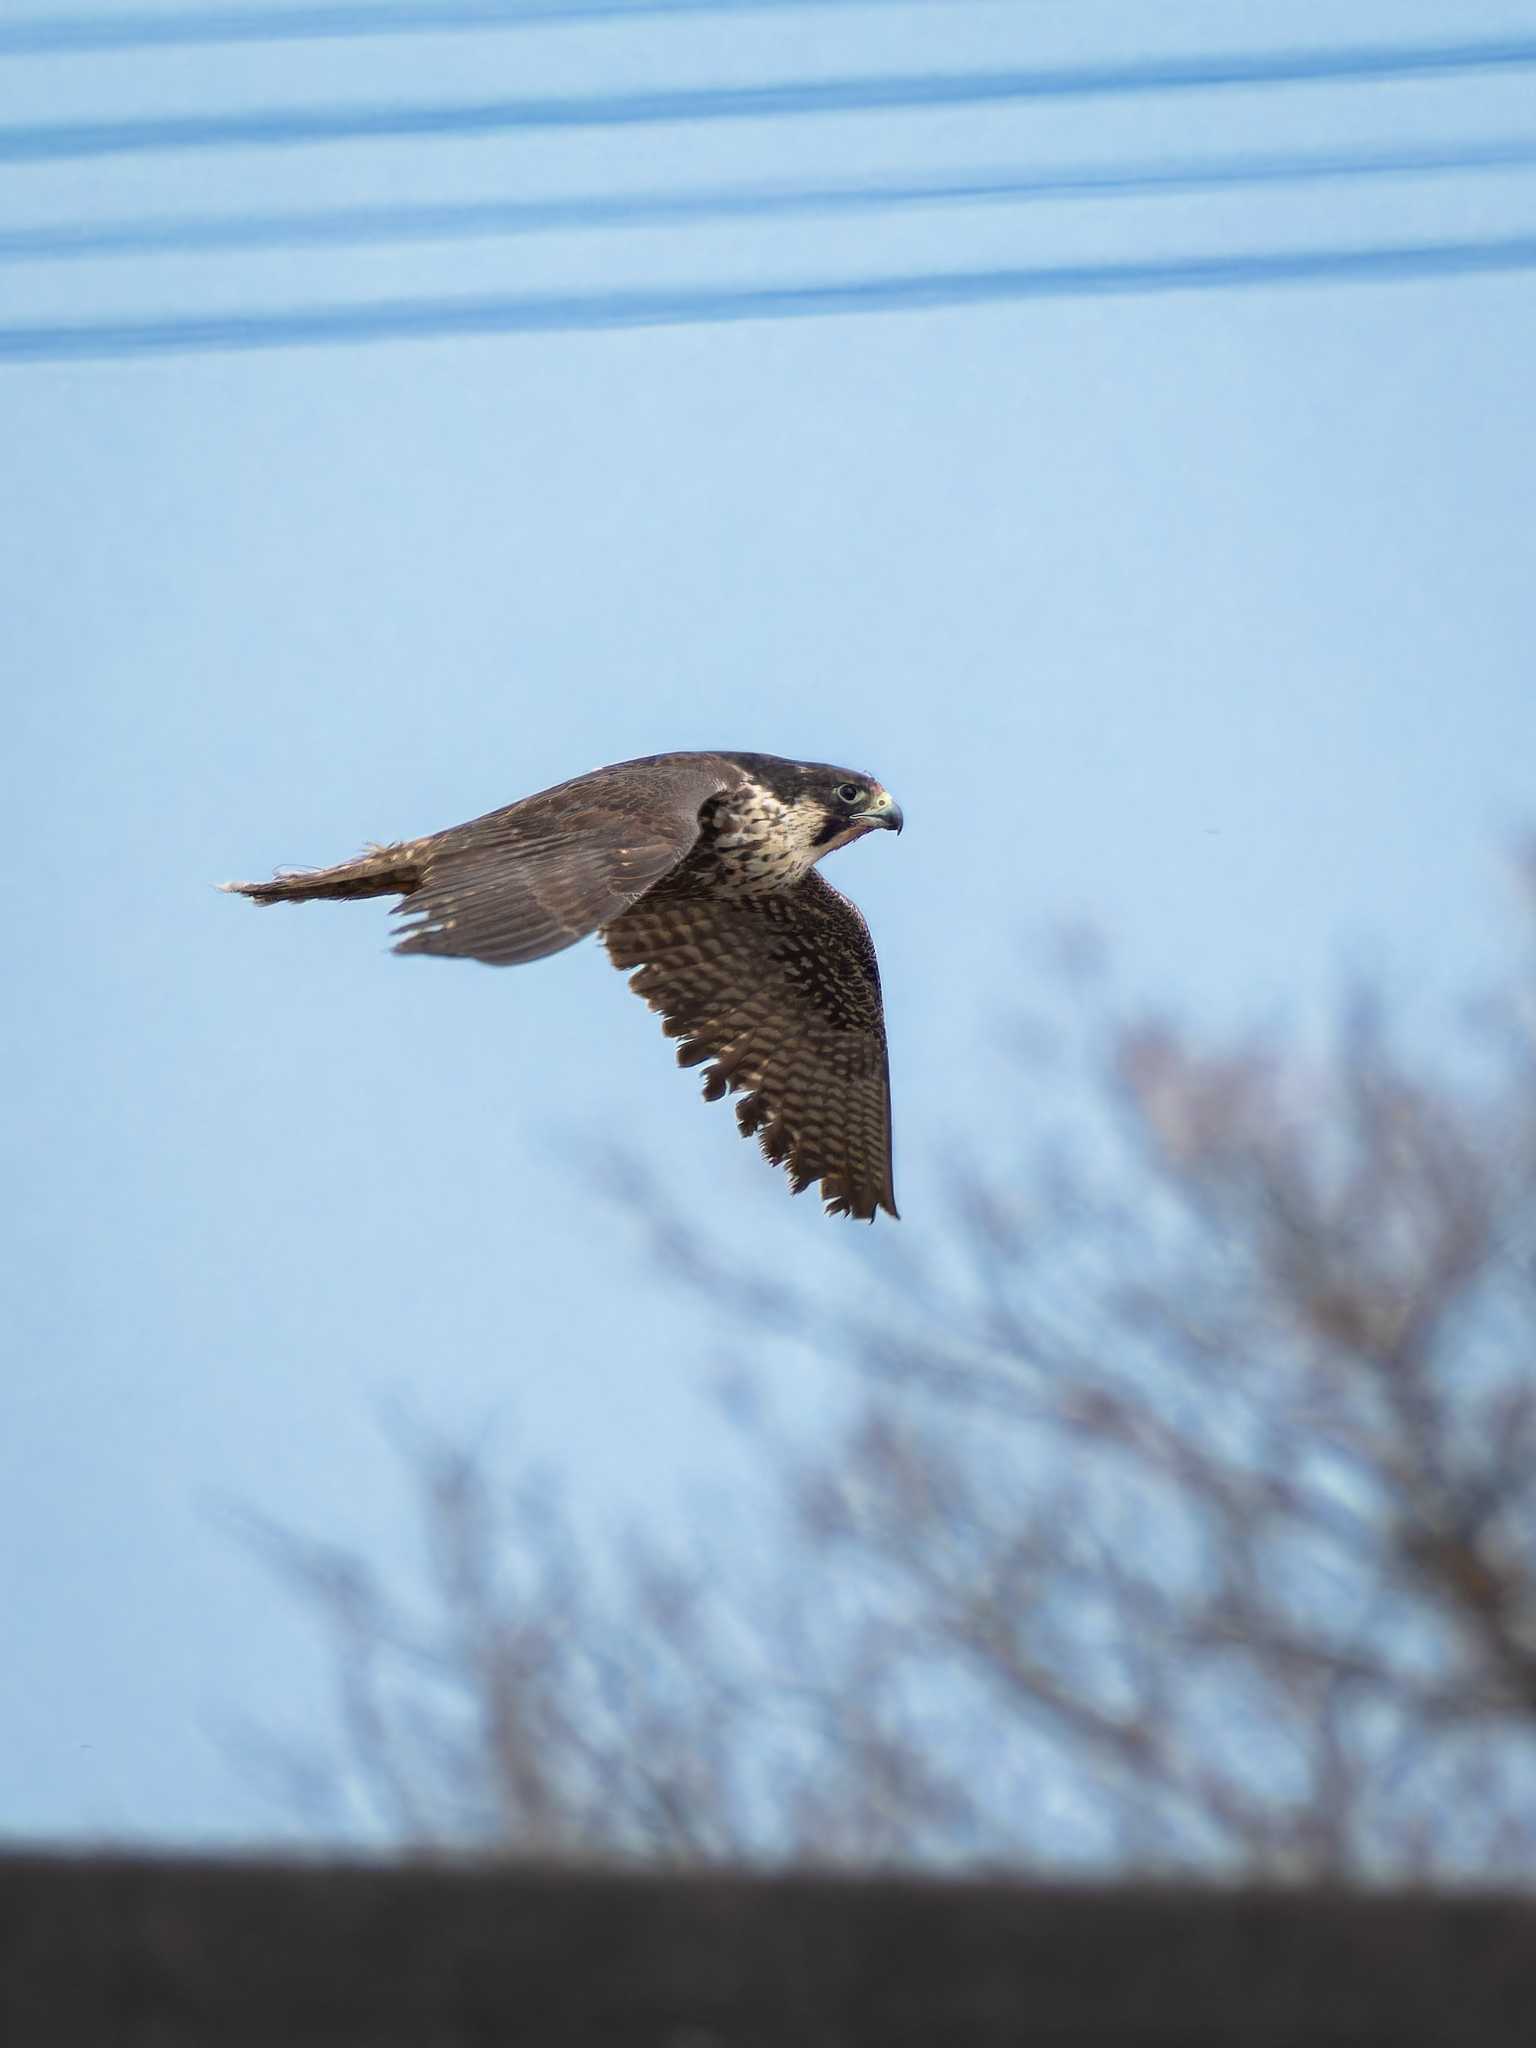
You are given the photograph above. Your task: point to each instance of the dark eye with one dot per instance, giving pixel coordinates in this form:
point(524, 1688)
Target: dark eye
point(848, 792)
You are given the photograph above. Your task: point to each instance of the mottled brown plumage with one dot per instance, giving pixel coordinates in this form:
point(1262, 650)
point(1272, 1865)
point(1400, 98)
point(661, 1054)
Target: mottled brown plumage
point(698, 870)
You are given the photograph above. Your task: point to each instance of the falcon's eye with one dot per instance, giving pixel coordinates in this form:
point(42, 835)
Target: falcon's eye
point(848, 792)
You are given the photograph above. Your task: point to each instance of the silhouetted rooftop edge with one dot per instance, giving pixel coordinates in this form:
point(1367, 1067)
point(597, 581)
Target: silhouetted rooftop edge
point(182, 1950)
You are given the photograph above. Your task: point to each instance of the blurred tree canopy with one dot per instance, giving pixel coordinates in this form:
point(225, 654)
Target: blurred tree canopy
point(1182, 1516)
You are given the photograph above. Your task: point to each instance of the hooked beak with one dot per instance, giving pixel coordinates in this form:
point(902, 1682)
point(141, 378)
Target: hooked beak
point(884, 810)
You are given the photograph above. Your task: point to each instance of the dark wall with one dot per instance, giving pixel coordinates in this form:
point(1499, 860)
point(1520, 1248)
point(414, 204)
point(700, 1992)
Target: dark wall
point(130, 1952)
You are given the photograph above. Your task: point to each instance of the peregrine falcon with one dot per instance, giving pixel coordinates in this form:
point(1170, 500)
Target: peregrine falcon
point(699, 870)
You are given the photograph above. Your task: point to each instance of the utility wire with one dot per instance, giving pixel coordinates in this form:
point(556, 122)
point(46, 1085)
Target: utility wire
point(39, 35)
point(435, 319)
point(272, 126)
point(333, 227)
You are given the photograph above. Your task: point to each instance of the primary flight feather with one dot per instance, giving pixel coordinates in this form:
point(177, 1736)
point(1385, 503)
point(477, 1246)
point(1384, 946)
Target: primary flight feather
point(698, 871)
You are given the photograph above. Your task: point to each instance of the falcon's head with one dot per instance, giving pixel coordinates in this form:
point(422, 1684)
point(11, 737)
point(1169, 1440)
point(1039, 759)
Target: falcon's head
point(825, 807)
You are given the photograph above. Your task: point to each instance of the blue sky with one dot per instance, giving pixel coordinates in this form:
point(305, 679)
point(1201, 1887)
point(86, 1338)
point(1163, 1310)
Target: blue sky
point(1208, 618)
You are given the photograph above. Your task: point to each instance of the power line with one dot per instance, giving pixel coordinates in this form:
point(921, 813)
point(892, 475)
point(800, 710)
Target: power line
point(188, 25)
point(438, 319)
point(360, 225)
point(278, 126)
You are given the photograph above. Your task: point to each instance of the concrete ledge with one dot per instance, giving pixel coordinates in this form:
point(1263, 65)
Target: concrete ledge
point(142, 1952)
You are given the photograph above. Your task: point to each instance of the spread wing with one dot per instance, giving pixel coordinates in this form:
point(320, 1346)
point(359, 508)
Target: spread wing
point(540, 874)
point(781, 991)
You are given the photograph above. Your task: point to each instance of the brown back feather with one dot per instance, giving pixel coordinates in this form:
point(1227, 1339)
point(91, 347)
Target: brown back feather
point(536, 876)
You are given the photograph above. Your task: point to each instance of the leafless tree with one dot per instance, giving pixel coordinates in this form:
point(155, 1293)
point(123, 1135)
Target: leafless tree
point(1182, 1516)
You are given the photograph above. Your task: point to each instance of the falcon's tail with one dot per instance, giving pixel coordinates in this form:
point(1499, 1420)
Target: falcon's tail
point(382, 871)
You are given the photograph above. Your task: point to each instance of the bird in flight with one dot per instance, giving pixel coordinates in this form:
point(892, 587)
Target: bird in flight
point(699, 871)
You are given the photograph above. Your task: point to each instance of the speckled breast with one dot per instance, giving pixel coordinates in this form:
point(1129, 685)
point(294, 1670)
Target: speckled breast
point(748, 843)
